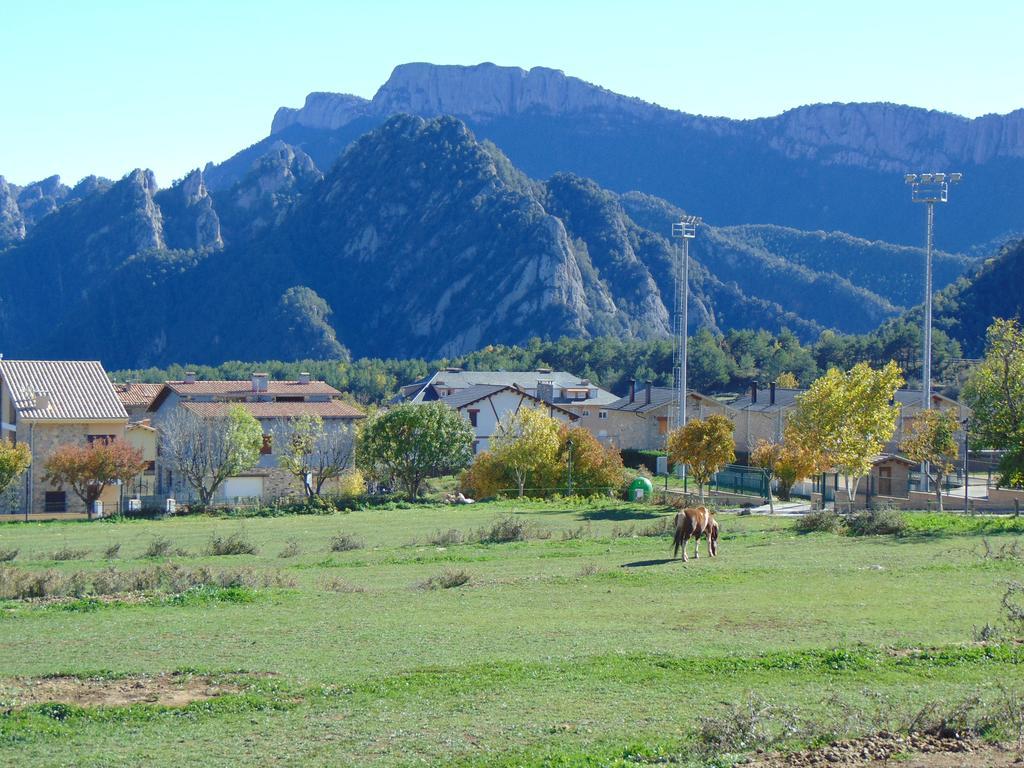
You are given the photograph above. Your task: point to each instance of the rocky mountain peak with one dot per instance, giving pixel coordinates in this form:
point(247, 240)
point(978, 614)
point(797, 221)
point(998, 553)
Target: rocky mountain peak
point(321, 110)
point(189, 218)
point(12, 223)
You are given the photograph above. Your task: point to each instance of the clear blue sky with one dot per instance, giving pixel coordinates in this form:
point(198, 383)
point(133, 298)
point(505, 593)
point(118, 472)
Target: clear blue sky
point(104, 86)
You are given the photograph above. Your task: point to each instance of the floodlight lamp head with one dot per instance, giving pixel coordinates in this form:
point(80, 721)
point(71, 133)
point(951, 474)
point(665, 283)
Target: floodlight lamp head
point(940, 178)
point(910, 178)
point(955, 178)
point(926, 178)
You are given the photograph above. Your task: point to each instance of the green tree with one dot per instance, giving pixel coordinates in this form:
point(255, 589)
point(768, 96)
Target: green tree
point(206, 450)
point(408, 443)
point(704, 445)
point(931, 437)
point(15, 458)
point(847, 419)
point(527, 443)
point(785, 463)
point(995, 392)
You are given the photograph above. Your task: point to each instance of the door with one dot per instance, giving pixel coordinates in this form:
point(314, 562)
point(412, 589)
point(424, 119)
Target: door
point(885, 481)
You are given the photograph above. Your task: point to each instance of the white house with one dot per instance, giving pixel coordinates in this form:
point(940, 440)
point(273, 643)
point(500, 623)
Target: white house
point(484, 405)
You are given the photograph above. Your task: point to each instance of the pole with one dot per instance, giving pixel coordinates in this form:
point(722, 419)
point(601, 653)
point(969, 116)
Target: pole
point(967, 477)
point(685, 333)
point(926, 372)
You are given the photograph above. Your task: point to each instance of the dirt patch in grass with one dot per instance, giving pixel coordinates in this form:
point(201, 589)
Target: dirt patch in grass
point(169, 690)
point(887, 749)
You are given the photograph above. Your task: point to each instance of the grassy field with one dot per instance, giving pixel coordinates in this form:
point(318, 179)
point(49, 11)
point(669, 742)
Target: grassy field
point(582, 645)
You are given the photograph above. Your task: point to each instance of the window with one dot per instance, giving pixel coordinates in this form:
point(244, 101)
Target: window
point(586, 412)
point(602, 414)
point(289, 399)
point(55, 501)
point(268, 445)
point(102, 439)
point(150, 467)
point(476, 447)
point(473, 413)
point(663, 425)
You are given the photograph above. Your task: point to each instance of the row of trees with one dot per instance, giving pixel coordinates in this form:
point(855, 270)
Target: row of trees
point(715, 361)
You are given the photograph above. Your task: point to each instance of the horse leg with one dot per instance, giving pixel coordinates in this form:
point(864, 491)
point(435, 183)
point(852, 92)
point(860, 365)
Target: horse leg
point(696, 547)
point(686, 540)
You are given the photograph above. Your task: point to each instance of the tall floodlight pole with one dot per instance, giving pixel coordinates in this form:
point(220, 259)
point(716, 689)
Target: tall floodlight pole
point(929, 188)
point(685, 229)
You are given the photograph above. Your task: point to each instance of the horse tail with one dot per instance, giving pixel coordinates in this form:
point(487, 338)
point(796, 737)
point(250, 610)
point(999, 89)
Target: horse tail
point(677, 537)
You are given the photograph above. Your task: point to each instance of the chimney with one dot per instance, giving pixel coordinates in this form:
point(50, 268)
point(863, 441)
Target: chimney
point(632, 390)
point(259, 381)
point(304, 377)
point(41, 401)
point(650, 387)
point(753, 393)
point(771, 393)
point(546, 390)
point(190, 377)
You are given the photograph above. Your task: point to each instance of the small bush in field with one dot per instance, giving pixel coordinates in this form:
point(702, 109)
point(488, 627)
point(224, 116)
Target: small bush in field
point(6, 555)
point(821, 521)
point(449, 579)
point(292, 548)
point(160, 546)
point(877, 522)
point(341, 585)
point(235, 544)
point(112, 552)
point(447, 538)
point(580, 532)
point(70, 553)
point(345, 542)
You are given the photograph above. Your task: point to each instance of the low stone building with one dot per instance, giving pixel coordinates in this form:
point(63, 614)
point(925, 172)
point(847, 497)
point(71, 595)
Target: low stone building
point(483, 406)
point(272, 403)
point(49, 403)
point(641, 419)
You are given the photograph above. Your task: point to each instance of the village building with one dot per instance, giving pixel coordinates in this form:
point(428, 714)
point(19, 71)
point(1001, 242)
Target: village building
point(49, 403)
point(641, 419)
point(271, 403)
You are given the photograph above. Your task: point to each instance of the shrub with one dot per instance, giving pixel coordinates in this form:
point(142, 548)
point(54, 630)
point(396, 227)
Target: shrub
point(345, 542)
point(448, 579)
point(876, 522)
point(823, 521)
point(581, 532)
point(589, 569)
point(235, 544)
point(70, 553)
point(160, 546)
point(447, 538)
point(340, 585)
point(292, 548)
point(112, 552)
point(663, 526)
point(510, 528)
point(6, 555)
point(352, 484)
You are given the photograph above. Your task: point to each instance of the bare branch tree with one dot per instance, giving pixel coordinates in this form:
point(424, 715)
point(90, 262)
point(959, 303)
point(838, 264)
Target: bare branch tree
point(315, 451)
point(206, 451)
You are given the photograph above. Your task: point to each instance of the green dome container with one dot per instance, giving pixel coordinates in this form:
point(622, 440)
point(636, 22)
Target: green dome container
point(640, 489)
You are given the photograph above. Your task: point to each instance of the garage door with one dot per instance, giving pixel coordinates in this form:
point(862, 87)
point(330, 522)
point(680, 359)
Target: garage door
point(243, 487)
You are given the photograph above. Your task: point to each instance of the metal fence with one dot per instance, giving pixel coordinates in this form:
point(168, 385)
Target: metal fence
point(736, 478)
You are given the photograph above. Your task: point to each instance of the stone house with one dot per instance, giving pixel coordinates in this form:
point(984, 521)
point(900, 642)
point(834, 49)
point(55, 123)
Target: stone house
point(48, 403)
point(762, 413)
point(641, 420)
point(484, 405)
point(272, 403)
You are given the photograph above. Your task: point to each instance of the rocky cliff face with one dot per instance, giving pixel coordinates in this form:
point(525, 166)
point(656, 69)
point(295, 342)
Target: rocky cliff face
point(189, 218)
point(12, 223)
point(826, 166)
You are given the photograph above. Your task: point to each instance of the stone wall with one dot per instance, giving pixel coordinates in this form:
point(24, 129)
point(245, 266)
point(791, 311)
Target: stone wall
point(45, 440)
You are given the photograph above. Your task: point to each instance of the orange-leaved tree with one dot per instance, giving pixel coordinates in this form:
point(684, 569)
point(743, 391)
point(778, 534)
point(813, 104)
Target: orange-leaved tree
point(704, 445)
point(88, 469)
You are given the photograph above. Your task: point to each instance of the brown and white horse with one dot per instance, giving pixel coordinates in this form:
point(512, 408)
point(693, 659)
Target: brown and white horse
point(695, 522)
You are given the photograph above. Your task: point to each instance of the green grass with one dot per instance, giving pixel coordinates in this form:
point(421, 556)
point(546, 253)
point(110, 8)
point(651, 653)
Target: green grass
point(577, 651)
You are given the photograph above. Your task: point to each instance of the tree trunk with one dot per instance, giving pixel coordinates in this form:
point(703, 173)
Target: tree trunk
point(938, 490)
point(771, 500)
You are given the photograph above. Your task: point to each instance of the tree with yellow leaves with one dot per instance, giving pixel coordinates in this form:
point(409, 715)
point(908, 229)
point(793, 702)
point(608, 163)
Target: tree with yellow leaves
point(847, 418)
point(526, 442)
point(704, 445)
point(931, 437)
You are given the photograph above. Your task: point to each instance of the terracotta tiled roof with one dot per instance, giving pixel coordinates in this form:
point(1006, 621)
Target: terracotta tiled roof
point(76, 390)
point(331, 409)
point(241, 388)
point(137, 393)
